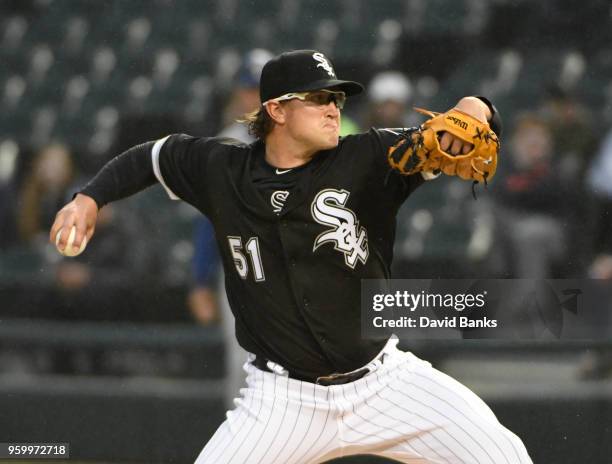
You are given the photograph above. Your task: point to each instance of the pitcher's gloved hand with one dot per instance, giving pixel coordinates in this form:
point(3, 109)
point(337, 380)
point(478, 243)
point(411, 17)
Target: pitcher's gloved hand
point(420, 150)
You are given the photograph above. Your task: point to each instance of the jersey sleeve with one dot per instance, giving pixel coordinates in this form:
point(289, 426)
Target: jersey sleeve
point(180, 165)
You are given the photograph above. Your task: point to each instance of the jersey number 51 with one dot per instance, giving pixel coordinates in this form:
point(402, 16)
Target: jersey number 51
point(240, 260)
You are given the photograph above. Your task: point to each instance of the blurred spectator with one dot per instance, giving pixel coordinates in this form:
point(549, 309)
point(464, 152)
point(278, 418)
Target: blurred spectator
point(113, 261)
point(574, 145)
point(203, 299)
point(44, 191)
point(601, 268)
point(599, 182)
point(105, 274)
point(572, 129)
point(389, 94)
point(245, 95)
point(531, 201)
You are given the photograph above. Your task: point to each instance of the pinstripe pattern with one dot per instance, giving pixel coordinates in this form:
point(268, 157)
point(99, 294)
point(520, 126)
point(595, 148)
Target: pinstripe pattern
point(329, 405)
point(230, 436)
point(262, 434)
point(457, 409)
point(279, 427)
point(291, 455)
point(403, 409)
point(418, 435)
point(458, 442)
point(452, 393)
point(445, 440)
point(327, 444)
point(282, 448)
point(226, 432)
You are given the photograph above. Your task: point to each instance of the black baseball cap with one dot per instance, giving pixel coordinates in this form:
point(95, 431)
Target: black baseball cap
point(301, 71)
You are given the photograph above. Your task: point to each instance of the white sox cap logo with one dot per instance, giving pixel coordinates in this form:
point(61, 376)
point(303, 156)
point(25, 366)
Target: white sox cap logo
point(323, 63)
point(347, 236)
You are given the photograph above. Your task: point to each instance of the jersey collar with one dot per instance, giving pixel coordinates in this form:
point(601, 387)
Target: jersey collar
point(256, 201)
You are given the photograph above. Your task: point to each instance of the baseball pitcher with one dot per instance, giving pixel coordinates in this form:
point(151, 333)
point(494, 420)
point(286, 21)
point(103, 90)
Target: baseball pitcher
point(301, 216)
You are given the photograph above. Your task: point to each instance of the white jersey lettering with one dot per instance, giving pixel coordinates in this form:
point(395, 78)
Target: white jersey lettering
point(346, 234)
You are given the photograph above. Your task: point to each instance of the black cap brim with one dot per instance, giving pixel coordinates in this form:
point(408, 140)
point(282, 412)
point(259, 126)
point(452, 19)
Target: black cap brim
point(348, 87)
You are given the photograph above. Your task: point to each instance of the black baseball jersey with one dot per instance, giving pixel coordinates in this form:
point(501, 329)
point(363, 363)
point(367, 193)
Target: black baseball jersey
point(295, 243)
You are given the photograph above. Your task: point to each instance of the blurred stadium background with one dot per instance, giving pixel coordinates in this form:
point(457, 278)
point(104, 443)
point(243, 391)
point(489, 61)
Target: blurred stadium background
point(103, 351)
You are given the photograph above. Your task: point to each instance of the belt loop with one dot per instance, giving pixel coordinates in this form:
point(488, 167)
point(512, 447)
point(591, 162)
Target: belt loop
point(277, 369)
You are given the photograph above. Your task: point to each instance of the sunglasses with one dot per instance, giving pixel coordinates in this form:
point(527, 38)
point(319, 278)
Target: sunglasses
point(320, 97)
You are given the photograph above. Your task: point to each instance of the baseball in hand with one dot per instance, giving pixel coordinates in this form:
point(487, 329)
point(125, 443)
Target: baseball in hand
point(69, 251)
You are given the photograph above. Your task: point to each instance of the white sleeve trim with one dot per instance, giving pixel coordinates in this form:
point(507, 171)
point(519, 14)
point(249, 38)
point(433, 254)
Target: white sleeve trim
point(427, 175)
point(155, 159)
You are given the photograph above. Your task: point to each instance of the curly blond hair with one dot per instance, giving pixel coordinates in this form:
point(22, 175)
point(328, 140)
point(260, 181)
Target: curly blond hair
point(259, 122)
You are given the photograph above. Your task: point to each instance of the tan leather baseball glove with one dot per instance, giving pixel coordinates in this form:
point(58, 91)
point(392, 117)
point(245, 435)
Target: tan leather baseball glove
point(420, 150)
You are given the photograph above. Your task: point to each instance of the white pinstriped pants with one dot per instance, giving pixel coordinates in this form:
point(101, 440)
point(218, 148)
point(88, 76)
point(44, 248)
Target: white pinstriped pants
point(403, 409)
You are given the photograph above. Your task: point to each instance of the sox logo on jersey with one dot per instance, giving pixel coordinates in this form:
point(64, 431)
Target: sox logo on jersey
point(278, 199)
point(348, 237)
